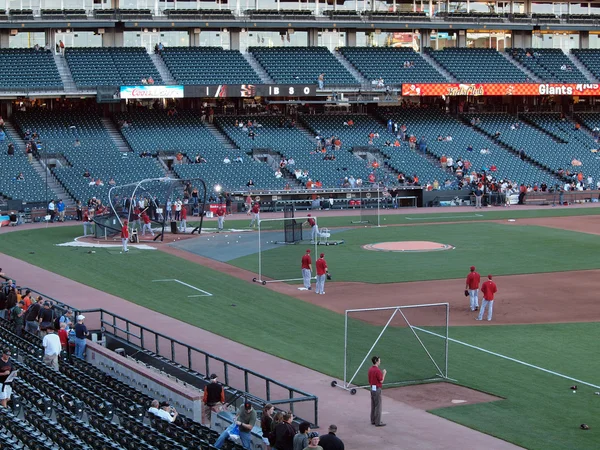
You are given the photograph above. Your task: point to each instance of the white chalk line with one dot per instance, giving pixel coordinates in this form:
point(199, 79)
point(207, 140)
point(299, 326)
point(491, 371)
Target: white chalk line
point(551, 372)
point(443, 217)
point(204, 293)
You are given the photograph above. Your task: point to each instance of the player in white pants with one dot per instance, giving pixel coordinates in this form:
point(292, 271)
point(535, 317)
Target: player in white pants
point(307, 269)
point(472, 285)
point(488, 289)
point(314, 231)
point(322, 272)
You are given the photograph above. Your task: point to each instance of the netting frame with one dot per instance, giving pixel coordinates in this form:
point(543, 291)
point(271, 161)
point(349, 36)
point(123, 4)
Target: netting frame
point(365, 212)
point(138, 184)
point(259, 278)
point(347, 383)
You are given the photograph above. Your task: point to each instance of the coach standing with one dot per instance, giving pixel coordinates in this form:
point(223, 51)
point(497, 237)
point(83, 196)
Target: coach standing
point(322, 272)
point(255, 214)
point(307, 269)
point(314, 228)
point(472, 286)
point(376, 378)
point(488, 289)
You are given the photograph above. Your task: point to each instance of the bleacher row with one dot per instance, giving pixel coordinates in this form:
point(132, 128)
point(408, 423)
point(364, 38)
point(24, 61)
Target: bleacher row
point(93, 67)
point(75, 408)
point(550, 143)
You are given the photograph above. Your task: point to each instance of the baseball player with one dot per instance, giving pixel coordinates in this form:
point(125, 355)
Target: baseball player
point(314, 228)
point(183, 217)
point(125, 235)
point(255, 214)
point(488, 289)
point(147, 226)
point(220, 217)
point(322, 272)
point(307, 269)
point(472, 286)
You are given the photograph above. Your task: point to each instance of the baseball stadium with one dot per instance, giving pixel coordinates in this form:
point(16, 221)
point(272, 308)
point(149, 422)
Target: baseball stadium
point(250, 226)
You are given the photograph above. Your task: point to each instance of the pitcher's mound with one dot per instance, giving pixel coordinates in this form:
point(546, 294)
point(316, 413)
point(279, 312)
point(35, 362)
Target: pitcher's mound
point(438, 395)
point(407, 246)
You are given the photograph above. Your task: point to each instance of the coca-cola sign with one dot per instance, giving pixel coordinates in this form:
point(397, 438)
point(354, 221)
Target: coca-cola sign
point(133, 92)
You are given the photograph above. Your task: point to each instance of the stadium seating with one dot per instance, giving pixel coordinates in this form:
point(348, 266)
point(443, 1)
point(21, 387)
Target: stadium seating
point(31, 189)
point(478, 65)
point(92, 67)
point(155, 132)
point(590, 58)
point(547, 64)
point(302, 65)
point(28, 69)
point(208, 65)
point(433, 123)
point(95, 152)
point(399, 159)
point(549, 141)
point(388, 63)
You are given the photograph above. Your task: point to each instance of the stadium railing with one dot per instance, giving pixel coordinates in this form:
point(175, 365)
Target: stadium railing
point(252, 383)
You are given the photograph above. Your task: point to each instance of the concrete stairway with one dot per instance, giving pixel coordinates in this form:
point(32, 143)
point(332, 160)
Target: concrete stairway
point(57, 189)
point(355, 73)
point(221, 137)
point(14, 136)
point(584, 70)
point(163, 70)
point(262, 73)
point(115, 135)
point(439, 68)
point(532, 76)
point(65, 73)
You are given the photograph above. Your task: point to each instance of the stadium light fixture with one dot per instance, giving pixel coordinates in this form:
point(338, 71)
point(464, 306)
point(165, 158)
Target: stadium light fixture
point(218, 188)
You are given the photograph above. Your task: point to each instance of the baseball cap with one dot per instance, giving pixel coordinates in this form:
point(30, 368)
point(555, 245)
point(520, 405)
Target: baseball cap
point(213, 376)
point(80, 317)
point(47, 304)
point(490, 277)
point(322, 254)
point(313, 434)
point(6, 351)
point(472, 268)
point(308, 250)
point(308, 215)
point(247, 405)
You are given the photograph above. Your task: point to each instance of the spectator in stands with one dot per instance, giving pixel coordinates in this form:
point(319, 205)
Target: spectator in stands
point(87, 174)
point(423, 144)
point(321, 81)
point(66, 318)
point(1, 122)
point(163, 410)
point(144, 81)
point(313, 439)
point(150, 80)
point(81, 333)
point(20, 177)
point(266, 422)
point(285, 432)
point(238, 159)
point(46, 318)
point(60, 207)
point(450, 163)
point(52, 348)
point(32, 324)
point(227, 160)
point(250, 184)
point(112, 182)
point(244, 420)
point(300, 441)
point(63, 336)
point(213, 399)
point(10, 151)
point(179, 158)
point(17, 314)
point(61, 46)
point(26, 301)
point(6, 368)
point(278, 174)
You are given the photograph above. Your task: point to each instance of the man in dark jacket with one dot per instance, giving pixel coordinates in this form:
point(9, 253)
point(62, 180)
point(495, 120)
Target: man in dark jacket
point(330, 441)
point(284, 433)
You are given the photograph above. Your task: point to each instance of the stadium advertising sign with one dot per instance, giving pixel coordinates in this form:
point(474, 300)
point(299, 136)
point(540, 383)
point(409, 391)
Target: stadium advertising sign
point(145, 91)
point(251, 90)
point(479, 89)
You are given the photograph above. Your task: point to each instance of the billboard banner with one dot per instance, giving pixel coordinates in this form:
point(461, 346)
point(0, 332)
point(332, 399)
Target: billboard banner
point(151, 91)
point(491, 89)
point(251, 90)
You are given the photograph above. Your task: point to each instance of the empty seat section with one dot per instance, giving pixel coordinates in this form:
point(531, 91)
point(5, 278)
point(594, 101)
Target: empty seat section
point(550, 141)
point(485, 152)
point(551, 65)
point(590, 58)
point(389, 64)
point(28, 69)
point(80, 142)
point(302, 65)
point(208, 65)
point(31, 188)
point(478, 65)
point(92, 67)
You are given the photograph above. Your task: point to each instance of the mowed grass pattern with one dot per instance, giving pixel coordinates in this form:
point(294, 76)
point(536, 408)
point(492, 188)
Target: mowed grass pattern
point(493, 247)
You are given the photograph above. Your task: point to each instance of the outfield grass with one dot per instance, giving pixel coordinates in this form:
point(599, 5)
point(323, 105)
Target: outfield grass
point(413, 216)
point(493, 247)
point(540, 412)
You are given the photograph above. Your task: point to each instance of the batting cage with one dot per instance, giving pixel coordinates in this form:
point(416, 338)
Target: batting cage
point(278, 259)
point(154, 207)
point(411, 340)
point(369, 203)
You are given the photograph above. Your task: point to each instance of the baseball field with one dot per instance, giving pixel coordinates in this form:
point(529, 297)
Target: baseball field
point(542, 339)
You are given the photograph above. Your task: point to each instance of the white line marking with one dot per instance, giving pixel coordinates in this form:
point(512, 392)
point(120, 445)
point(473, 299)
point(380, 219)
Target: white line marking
point(443, 217)
point(204, 293)
point(509, 358)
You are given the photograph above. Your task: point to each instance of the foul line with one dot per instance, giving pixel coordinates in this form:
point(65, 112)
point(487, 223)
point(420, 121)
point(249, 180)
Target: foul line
point(204, 293)
point(509, 358)
point(443, 217)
